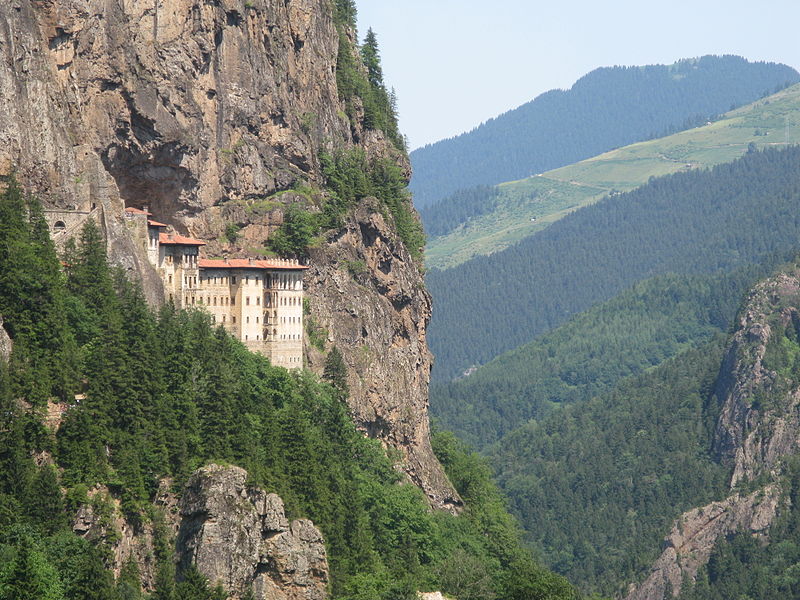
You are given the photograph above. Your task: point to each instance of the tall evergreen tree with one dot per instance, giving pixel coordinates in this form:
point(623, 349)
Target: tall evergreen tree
point(371, 57)
point(336, 372)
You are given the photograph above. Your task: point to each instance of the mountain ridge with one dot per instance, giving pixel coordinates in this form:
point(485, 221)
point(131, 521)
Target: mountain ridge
point(484, 221)
point(633, 103)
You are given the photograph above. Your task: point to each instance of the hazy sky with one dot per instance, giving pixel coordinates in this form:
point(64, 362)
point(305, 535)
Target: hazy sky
point(456, 63)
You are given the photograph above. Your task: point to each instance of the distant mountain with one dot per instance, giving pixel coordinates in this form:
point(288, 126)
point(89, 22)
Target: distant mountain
point(486, 219)
point(691, 222)
point(608, 108)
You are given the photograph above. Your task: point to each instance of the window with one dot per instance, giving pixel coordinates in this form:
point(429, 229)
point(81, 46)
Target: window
point(258, 300)
point(170, 278)
point(248, 301)
point(223, 318)
point(233, 279)
point(233, 301)
point(256, 319)
point(248, 320)
point(234, 320)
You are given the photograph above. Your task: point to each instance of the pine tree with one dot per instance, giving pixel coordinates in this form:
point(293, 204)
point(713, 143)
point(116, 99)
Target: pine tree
point(129, 584)
point(346, 13)
point(45, 504)
point(336, 372)
point(371, 57)
point(30, 577)
point(91, 581)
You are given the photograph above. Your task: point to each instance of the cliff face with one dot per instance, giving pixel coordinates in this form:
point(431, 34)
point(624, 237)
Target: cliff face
point(215, 112)
point(757, 428)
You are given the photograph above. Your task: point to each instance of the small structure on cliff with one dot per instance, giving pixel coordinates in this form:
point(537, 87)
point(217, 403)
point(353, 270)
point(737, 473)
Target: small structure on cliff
point(260, 302)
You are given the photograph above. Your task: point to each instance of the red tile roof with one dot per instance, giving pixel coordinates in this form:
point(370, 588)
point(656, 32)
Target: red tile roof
point(246, 263)
point(153, 223)
point(173, 239)
point(136, 211)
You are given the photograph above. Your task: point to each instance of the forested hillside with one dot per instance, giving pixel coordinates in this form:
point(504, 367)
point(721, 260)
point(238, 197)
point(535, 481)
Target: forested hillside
point(693, 222)
point(607, 108)
point(588, 355)
point(598, 483)
point(102, 401)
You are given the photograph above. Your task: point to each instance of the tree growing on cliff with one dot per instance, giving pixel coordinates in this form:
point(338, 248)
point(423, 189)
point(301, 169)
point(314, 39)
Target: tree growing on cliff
point(345, 13)
point(371, 57)
point(336, 372)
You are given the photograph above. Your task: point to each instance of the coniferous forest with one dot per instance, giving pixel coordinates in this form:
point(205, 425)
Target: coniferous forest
point(691, 223)
point(145, 396)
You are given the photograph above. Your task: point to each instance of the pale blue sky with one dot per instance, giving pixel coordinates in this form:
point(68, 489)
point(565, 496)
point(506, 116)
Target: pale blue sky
point(456, 63)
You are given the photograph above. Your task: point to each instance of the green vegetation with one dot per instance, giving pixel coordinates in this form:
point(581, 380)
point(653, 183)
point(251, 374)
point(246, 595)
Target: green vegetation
point(232, 232)
point(359, 79)
point(501, 216)
point(164, 394)
point(351, 177)
point(296, 233)
point(598, 483)
point(588, 355)
point(608, 108)
point(694, 222)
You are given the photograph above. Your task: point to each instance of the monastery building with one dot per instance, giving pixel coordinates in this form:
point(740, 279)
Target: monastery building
point(260, 302)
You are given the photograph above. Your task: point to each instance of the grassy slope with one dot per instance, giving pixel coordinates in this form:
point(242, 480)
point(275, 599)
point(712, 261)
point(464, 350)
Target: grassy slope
point(550, 196)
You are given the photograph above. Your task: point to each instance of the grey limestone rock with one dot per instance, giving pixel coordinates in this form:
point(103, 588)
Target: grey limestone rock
point(5, 342)
point(239, 536)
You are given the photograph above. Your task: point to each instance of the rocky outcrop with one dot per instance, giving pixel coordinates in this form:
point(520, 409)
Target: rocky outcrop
point(236, 535)
point(759, 423)
point(102, 520)
point(757, 428)
point(239, 536)
point(5, 343)
point(211, 113)
point(688, 546)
